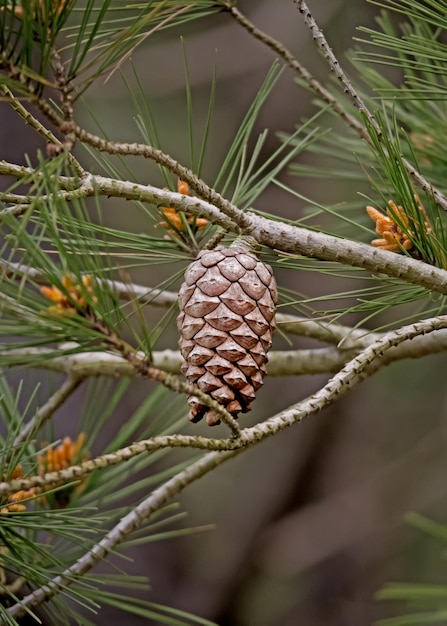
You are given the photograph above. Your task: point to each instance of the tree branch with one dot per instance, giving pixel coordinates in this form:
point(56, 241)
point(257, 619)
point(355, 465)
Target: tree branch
point(343, 336)
point(353, 373)
point(281, 363)
point(133, 520)
point(276, 235)
point(38, 126)
point(357, 101)
point(324, 93)
point(297, 67)
point(361, 366)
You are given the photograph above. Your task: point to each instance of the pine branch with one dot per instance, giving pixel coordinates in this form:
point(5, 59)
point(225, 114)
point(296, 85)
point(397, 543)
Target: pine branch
point(324, 93)
point(127, 292)
point(269, 232)
point(363, 365)
point(144, 367)
point(353, 373)
point(39, 127)
point(118, 533)
point(75, 472)
point(302, 362)
point(357, 101)
point(292, 62)
point(345, 337)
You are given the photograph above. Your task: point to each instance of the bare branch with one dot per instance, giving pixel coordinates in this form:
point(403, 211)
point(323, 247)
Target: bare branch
point(363, 365)
point(38, 126)
point(75, 472)
point(281, 363)
point(145, 367)
point(357, 101)
point(297, 67)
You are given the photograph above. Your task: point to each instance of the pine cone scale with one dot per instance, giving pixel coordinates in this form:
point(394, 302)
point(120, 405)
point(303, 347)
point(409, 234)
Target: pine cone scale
point(252, 286)
point(212, 258)
point(237, 301)
point(223, 319)
point(197, 307)
point(209, 337)
point(193, 274)
point(232, 269)
point(231, 351)
point(213, 283)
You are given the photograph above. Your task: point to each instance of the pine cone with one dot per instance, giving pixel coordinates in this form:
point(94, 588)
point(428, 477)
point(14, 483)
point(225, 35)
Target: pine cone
point(226, 321)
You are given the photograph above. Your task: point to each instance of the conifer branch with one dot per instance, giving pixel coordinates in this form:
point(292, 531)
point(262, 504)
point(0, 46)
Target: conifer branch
point(345, 337)
point(41, 130)
point(357, 101)
point(324, 93)
point(353, 373)
point(363, 365)
point(301, 362)
point(291, 61)
point(27, 117)
point(130, 522)
point(144, 367)
point(274, 234)
point(125, 291)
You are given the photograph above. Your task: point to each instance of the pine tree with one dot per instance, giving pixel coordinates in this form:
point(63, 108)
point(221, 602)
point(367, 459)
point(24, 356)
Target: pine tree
point(77, 318)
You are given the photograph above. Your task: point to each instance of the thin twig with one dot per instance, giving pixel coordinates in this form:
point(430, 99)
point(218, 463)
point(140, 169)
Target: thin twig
point(363, 365)
point(29, 119)
point(357, 101)
point(324, 93)
point(144, 367)
point(32, 121)
point(65, 90)
point(297, 67)
point(146, 446)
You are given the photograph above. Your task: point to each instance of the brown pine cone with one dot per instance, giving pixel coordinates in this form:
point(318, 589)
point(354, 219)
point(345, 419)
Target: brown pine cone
point(227, 309)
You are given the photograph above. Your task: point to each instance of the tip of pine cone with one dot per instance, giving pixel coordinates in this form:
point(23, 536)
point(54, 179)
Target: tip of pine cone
point(212, 419)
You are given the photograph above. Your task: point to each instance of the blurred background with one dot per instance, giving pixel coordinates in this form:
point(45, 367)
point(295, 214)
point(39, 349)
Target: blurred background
point(310, 524)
